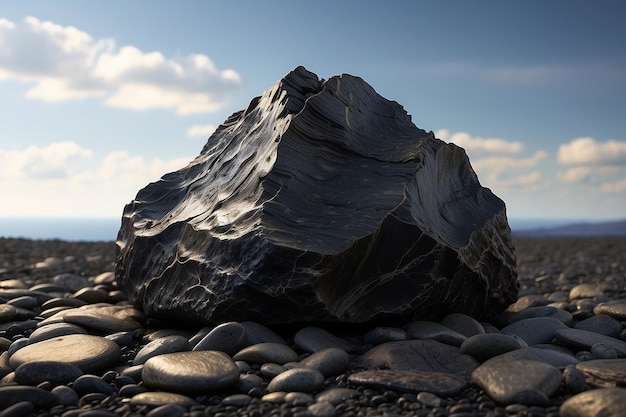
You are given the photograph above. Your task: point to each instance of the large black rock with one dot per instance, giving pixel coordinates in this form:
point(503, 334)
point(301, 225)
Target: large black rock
point(321, 201)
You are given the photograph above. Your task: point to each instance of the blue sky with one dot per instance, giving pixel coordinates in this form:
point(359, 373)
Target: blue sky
point(100, 98)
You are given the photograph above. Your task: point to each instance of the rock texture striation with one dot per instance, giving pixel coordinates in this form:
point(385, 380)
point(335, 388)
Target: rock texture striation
point(321, 201)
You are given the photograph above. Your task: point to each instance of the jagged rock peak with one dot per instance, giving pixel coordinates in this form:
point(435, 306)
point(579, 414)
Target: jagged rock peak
point(321, 201)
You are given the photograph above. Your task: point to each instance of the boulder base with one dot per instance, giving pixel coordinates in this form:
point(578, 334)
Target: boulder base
point(322, 202)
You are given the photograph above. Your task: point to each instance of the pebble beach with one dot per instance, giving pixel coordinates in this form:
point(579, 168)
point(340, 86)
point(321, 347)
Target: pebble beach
point(71, 345)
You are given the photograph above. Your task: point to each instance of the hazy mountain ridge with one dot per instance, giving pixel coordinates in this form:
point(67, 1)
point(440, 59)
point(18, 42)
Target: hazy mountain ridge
point(578, 229)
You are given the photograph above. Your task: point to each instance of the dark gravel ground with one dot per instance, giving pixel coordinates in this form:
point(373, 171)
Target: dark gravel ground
point(545, 265)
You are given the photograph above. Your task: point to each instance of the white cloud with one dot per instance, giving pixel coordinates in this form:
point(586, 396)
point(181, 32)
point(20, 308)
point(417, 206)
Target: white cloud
point(586, 151)
point(574, 175)
point(478, 144)
point(201, 131)
point(40, 162)
point(66, 63)
point(498, 179)
point(34, 176)
point(508, 163)
point(617, 187)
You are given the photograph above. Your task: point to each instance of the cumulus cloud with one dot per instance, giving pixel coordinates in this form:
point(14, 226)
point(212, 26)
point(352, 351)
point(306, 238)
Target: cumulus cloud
point(574, 175)
point(51, 161)
point(201, 131)
point(53, 174)
point(587, 151)
point(478, 144)
point(507, 163)
point(64, 63)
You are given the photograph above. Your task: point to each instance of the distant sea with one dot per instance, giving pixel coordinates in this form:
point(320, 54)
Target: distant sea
point(105, 229)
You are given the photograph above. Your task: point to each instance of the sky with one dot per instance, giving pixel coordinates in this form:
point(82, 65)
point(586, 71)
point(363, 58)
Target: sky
point(98, 99)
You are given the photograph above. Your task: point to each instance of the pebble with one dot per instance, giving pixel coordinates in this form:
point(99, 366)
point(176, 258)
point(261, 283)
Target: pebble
point(98, 320)
point(87, 352)
point(267, 352)
point(297, 379)
point(608, 402)
point(7, 312)
point(604, 372)
point(87, 384)
point(257, 333)
point(57, 373)
point(159, 398)
point(463, 324)
point(602, 324)
point(167, 344)
point(525, 382)
point(430, 330)
point(336, 396)
point(418, 355)
point(23, 408)
point(54, 330)
point(227, 337)
point(614, 308)
point(331, 361)
point(535, 330)
point(13, 394)
point(585, 291)
point(585, 339)
point(322, 409)
point(438, 383)
point(313, 339)
point(191, 372)
point(486, 346)
point(168, 410)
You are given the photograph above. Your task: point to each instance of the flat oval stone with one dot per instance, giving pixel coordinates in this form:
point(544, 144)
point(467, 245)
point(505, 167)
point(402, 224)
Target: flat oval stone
point(613, 308)
point(7, 312)
point(227, 337)
point(584, 339)
point(54, 330)
point(602, 324)
point(418, 355)
point(336, 396)
point(267, 352)
point(297, 379)
point(87, 384)
point(312, 339)
point(438, 383)
point(486, 346)
point(158, 398)
point(550, 356)
point(13, 394)
point(604, 372)
point(167, 344)
point(585, 291)
point(93, 319)
point(203, 370)
point(57, 373)
point(65, 395)
point(430, 330)
point(525, 382)
point(329, 362)
point(87, 352)
point(462, 323)
point(507, 317)
point(258, 333)
point(603, 402)
point(535, 330)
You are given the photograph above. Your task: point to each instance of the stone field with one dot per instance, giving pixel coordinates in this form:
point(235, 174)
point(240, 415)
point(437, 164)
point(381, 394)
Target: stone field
point(72, 345)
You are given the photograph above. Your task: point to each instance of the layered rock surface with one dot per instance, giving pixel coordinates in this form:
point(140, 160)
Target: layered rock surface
point(321, 201)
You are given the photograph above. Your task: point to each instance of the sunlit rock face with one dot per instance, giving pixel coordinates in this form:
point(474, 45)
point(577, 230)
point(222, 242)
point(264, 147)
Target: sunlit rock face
point(322, 202)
